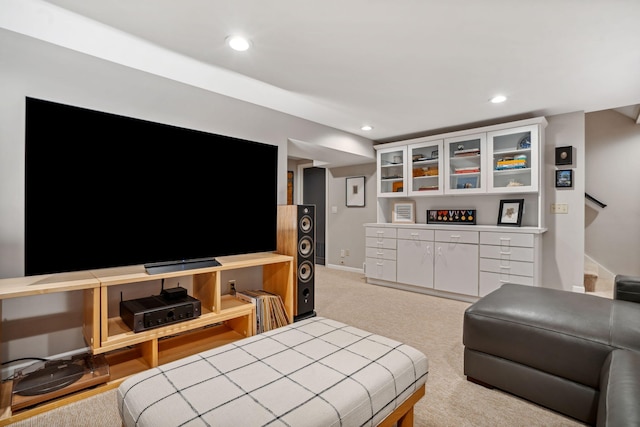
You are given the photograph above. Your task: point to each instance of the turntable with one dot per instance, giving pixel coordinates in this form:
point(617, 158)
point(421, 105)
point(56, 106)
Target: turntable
point(47, 380)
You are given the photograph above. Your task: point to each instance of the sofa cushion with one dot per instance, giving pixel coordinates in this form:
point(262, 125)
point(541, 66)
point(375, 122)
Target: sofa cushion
point(619, 405)
point(627, 288)
point(558, 332)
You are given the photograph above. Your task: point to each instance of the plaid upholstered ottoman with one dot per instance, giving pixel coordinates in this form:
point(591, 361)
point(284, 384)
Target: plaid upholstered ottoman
point(316, 372)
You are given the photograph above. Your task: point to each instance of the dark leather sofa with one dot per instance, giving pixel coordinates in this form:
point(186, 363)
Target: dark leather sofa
point(574, 353)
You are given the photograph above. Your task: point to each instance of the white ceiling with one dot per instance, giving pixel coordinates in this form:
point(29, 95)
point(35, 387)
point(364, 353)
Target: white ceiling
point(406, 67)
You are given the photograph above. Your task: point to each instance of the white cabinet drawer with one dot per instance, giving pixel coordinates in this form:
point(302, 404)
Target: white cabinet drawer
point(375, 242)
point(380, 253)
point(489, 282)
point(380, 232)
point(410, 234)
point(506, 267)
point(381, 269)
point(506, 253)
point(506, 239)
point(456, 236)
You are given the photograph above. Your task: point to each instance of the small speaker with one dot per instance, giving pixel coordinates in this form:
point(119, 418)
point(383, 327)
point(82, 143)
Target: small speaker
point(296, 237)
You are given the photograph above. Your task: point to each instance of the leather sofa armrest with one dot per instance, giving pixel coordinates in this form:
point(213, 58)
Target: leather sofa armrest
point(620, 390)
point(627, 288)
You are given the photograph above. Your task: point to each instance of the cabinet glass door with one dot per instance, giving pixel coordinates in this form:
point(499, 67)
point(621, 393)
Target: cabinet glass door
point(513, 160)
point(464, 164)
point(392, 172)
point(426, 171)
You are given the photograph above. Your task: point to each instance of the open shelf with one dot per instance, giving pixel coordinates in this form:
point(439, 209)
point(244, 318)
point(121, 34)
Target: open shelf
point(223, 319)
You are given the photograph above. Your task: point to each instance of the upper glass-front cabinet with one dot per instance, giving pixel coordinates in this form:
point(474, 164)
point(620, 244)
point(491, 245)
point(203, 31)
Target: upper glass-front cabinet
point(513, 160)
point(465, 164)
point(425, 168)
point(392, 172)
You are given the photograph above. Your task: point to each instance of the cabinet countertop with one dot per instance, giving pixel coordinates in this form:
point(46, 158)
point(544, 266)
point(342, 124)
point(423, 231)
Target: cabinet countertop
point(492, 228)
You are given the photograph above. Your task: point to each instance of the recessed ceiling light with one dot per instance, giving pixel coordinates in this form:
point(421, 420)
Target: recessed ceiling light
point(366, 128)
point(498, 99)
point(238, 43)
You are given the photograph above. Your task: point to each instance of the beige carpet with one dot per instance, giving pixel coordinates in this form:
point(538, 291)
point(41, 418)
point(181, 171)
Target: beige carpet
point(431, 324)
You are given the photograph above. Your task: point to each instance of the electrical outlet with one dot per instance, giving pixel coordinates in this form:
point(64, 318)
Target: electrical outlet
point(346, 252)
point(559, 208)
point(341, 253)
point(232, 287)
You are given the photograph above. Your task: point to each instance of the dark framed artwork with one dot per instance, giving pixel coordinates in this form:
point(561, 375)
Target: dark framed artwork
point(355, 191)
point(510, 212)
point(564, 155)
point(451, 216)
point(564, 178)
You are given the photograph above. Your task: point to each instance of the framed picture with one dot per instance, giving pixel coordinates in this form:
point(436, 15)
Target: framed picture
point(564, 155)
point(564, 178)
point(467, 182)
point(404, 212)
point(355, 191)
point(451, 216)
point(510, 212)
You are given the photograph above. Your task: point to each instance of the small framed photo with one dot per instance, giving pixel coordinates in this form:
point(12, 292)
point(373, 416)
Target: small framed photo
point(355, 191)
point(564, 178)
point(467, 182)
point(510, 212)
point(564, 155)
point(404, 212)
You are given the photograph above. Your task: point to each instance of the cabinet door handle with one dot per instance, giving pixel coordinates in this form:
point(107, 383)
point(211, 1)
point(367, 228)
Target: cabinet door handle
point(455, 236)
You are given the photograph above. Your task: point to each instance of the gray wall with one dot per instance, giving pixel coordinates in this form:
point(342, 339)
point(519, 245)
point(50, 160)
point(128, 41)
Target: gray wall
point(612, 234)
point(33, 68)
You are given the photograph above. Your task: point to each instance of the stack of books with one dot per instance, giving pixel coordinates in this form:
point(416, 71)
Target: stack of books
point(270, 312)
point(466, 152)
point(473, 169)
point(511, 164)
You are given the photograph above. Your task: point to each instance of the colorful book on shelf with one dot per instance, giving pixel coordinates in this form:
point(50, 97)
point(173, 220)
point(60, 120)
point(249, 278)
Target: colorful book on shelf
point(467, 170)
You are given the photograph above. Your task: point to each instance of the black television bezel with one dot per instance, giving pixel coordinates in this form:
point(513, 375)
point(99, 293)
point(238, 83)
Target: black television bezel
point(248, 218)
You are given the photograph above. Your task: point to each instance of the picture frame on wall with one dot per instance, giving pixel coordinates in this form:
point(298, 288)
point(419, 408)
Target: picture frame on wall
point(510, 212)
point(355, 191)
point(564, 155)
point(564, 178)
point(404, 212)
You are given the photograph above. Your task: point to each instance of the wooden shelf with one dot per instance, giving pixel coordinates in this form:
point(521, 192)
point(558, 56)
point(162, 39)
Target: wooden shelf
point(223, 318)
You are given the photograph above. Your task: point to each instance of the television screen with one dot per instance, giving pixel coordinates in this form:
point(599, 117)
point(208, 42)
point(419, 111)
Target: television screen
point(103, 190)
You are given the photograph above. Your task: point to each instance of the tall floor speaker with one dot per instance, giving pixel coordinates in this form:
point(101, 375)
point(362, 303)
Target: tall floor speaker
point(296, 237)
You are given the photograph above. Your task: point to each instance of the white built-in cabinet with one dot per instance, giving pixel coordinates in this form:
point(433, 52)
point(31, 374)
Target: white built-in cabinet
point(456, 261)
point(498, 159)
point(464, 262)
point(459, 261)
point(415, 257)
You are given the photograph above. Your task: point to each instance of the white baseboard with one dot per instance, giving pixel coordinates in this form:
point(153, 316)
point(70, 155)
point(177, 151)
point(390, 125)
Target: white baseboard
point(345, 268)
point(579, 289)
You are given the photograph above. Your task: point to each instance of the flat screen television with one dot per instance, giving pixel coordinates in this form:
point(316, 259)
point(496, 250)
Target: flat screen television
point(103, 190)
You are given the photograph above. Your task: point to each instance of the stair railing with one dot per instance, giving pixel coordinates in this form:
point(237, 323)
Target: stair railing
point(594, 200)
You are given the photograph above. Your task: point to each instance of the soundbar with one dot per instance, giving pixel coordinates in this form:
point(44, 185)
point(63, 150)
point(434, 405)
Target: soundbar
point(185, 264)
